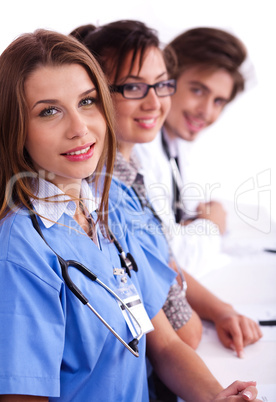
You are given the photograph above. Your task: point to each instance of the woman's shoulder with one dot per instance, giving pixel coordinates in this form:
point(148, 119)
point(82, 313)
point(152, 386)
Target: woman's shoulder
point(123, 197)
point(17, 234)
point(14, 226)
point(22, 248)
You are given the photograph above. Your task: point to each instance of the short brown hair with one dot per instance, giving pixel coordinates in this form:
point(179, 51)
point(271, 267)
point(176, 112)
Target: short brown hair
point(208, 48)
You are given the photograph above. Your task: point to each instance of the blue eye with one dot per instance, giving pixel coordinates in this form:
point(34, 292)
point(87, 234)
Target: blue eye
point(220, 102)
point(197, 91)
point(47, 112)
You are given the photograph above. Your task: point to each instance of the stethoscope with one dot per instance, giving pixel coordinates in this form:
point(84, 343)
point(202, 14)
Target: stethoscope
point(176, 175)
point(177, 182)
point(128, 263)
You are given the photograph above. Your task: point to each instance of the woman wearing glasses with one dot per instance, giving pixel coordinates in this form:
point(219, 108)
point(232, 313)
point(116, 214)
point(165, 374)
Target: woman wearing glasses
point(129, 54)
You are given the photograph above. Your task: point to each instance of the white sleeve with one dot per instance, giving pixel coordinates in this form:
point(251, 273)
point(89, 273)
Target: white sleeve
point(196, 246)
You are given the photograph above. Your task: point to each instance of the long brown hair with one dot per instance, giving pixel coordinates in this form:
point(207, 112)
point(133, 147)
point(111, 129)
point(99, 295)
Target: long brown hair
point(208, 48)
point(24, 55)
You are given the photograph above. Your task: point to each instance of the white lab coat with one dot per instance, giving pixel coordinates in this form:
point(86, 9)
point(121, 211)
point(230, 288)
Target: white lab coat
point(197, 245)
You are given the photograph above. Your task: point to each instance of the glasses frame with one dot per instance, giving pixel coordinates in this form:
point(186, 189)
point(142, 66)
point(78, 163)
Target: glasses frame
point(121, 88)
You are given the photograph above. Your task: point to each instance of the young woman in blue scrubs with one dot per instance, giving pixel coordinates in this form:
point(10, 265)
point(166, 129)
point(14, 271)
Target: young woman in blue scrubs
point(55, 135)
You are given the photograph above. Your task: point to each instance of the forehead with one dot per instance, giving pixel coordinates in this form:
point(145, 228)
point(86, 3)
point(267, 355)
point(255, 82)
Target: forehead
point(52, 80)
point(217, 81)
point(152, 63)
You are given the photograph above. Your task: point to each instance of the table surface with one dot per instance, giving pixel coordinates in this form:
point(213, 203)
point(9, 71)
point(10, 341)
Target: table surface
point(248, 282)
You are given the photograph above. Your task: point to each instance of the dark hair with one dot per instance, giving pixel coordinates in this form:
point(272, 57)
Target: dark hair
point(112, 43)
point(207, 48)
point(23, 56)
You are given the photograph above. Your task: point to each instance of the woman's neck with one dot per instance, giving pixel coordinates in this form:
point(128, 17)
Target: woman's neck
point(73, 190)
point(126, 150)
point(70, 188)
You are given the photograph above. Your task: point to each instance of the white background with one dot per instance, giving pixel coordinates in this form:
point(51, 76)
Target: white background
point(238, 152)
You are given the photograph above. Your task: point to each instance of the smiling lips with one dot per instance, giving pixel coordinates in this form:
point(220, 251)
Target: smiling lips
point(80, 153)
point(147, 123)
point(194, 124)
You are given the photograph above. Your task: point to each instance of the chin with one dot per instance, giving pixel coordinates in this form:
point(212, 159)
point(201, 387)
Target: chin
point(191, 138)
point(187, 136)
point(148, 138)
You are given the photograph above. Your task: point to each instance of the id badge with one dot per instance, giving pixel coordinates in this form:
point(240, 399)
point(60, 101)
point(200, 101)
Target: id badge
point(131, 298)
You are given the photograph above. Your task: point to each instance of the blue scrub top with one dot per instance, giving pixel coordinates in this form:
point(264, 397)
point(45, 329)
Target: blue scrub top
point(141, 222)
point(50, 343)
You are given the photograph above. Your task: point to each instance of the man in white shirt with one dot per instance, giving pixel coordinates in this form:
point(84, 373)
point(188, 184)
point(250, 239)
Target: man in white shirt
point(205, 62)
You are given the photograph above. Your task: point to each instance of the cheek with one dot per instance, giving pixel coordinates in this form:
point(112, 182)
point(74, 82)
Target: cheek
point(98, 126)
point(166, 105)
point(31, 143)
point(40, 136)
point(215, 115)
point(178, 102)
point(123, 118)
point(38, 145)
point(219, 112)
point(123, 110)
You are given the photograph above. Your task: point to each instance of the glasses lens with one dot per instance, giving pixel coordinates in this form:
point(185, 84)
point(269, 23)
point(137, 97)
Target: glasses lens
point(165, 88)
point(135, 91)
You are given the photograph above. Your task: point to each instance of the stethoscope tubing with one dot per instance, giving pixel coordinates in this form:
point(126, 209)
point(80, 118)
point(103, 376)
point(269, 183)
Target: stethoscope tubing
point(132, 345)
point(176, 174)
point(64, 267)
point(138, 337)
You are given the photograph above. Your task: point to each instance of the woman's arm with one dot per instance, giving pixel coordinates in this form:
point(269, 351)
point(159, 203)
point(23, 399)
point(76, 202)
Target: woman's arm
point(178, 365)
point(183, 371)
point(234, 330)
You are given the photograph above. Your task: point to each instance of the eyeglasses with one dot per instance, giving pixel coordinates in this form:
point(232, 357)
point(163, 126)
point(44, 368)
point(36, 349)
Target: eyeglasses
point(139, 90)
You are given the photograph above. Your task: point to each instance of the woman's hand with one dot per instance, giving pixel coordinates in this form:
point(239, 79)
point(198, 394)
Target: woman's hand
point(239, 391)
point(236, 331)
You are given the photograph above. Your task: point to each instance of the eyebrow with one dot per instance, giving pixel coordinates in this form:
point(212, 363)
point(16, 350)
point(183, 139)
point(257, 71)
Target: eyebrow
point(207, 89)
point(137, 78)
point(51, 101)
point(200, 85)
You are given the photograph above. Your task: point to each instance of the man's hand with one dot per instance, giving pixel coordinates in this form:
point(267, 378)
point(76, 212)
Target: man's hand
point(214, 212)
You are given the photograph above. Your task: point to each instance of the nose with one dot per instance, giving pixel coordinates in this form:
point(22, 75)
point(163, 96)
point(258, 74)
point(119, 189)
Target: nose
point(151, 101)
point(77, 126)
point(207, 109)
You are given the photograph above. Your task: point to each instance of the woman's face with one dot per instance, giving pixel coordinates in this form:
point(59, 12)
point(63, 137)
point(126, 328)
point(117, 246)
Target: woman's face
point(199, 100)
point(139, 120)
point(66, 129)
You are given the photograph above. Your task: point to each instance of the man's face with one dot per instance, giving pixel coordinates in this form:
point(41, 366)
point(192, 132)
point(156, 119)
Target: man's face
point(199, 100)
